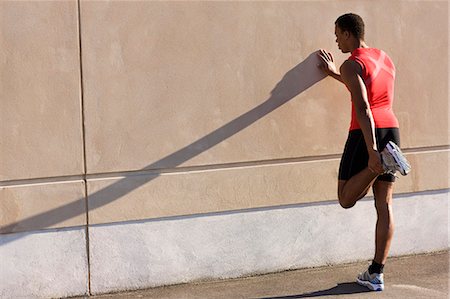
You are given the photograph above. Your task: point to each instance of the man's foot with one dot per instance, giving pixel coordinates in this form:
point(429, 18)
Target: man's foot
point(393, 159)
point(374, 281)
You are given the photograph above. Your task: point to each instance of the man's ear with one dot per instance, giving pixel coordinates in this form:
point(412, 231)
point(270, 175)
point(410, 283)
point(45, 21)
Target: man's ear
point(346, 34)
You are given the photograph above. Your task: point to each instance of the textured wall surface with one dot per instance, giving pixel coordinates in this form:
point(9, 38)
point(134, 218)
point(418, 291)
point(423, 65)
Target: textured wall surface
point(40, 107)
point(47, 264)
point(237, 84)
point(152, 253)
point(122, 114)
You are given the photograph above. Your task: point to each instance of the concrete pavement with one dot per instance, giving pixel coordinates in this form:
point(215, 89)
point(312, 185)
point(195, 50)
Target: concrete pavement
point(418, 276)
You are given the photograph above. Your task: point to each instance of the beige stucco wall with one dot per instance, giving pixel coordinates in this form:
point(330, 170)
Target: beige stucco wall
point(40, 108)
point(193, 107)
point(41, 145)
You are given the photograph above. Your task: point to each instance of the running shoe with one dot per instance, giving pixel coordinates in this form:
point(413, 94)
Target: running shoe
point(374, 281)
point(393, 159)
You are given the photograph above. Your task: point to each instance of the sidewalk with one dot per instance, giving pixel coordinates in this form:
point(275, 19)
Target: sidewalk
point(420, 276)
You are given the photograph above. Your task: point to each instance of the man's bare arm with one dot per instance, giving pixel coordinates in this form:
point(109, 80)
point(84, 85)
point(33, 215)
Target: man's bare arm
point(351, 77)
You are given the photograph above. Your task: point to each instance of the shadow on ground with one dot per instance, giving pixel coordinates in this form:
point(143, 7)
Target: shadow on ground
point(346, 288)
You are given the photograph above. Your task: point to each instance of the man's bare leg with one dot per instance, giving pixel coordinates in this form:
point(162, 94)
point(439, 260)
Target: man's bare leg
point(352, 190)
point(385, 222)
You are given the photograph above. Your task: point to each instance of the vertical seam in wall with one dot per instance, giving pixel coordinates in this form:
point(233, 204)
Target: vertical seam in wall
point(448, 96)
point(83, 130)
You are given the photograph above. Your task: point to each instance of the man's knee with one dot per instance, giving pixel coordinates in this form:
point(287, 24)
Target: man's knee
point(346, 204)
point(347, 201)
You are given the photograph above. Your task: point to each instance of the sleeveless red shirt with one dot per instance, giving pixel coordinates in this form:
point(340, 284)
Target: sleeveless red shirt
point(378, 73)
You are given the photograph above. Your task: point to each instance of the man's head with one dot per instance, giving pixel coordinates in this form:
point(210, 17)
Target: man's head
point(349, 27)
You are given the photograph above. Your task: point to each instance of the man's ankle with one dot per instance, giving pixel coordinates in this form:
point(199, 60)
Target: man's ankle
point(376, 268)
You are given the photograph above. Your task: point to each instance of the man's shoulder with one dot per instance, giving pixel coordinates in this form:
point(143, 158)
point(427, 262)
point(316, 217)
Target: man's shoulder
point(350, 66)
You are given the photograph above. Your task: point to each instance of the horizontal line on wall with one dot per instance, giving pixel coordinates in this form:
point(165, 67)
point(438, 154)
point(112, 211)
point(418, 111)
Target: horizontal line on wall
point(200, 168)
point(216, 167)
point(397, 196)
point(43, 181)
point(426, 149)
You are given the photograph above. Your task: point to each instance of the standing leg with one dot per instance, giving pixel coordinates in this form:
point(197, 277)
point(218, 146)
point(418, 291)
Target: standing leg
point(385, 224)
point(373, 278)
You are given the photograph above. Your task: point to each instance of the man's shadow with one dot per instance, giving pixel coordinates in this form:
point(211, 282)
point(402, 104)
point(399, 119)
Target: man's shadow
point(346, 288)
point(293, 83)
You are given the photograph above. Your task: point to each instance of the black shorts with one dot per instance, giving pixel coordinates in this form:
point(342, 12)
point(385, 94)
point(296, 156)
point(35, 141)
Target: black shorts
point(355, 157)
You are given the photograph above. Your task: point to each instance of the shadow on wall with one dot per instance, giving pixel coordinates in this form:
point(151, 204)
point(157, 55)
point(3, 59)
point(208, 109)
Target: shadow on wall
point(294, 82)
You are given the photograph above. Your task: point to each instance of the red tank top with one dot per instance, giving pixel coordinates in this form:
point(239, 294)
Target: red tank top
point(378, 73)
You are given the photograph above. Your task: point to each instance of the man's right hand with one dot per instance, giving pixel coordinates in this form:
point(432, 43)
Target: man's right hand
point(375, 165)
point(327, 62)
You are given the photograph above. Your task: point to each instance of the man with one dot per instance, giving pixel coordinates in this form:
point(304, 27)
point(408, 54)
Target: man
point(371, 155)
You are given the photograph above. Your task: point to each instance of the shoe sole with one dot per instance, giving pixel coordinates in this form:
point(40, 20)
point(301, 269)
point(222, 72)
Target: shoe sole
point(392, 150)
point(370, 286)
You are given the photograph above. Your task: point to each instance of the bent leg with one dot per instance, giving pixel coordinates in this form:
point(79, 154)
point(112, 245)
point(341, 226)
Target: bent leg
point(352, 190)
point(385, 223)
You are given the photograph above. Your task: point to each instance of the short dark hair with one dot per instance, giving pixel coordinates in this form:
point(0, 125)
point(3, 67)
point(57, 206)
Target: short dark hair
point(352, 23)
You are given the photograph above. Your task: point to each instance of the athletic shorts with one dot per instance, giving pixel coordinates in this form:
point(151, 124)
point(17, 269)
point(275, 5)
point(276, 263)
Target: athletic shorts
point(355, 157)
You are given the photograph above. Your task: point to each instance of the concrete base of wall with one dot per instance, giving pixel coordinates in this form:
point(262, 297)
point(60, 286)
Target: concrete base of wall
point(151, 253)
point(159, 252)
point(45, 264)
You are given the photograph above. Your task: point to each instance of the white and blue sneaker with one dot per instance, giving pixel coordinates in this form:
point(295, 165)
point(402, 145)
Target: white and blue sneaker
point(394, 160)
point(374, 281)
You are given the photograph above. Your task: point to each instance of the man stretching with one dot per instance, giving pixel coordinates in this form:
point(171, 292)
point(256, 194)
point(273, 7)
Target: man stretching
point(371, 155)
